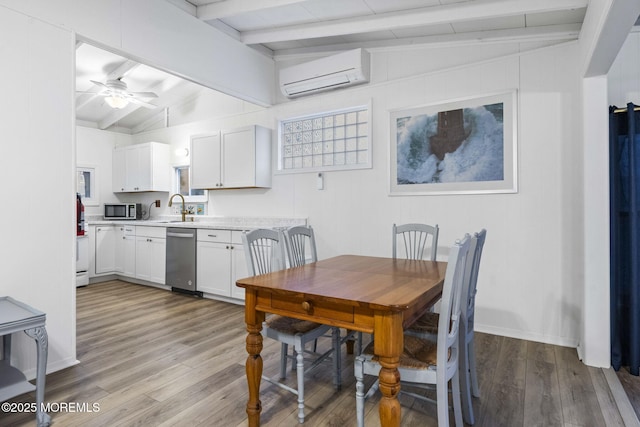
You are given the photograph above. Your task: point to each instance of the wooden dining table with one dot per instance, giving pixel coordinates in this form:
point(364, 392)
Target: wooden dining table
point(359, 293)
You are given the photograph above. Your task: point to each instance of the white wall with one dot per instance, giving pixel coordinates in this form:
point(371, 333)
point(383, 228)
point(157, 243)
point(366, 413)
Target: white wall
point(95, 149)
point(38, 262)
point(623, 79)
point(530, 284)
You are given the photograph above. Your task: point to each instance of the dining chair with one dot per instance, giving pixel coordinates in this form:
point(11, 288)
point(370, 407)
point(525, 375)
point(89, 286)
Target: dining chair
point(425, 363)
point(298, 239)
point(427, 327)
point(264, 249)
point(415, 238)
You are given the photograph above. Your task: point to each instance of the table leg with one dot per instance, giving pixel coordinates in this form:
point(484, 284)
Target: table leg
point(39, 334)
point(388, 346)
point(254, 321)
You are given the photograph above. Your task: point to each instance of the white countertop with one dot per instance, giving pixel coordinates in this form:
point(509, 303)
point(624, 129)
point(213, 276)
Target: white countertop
point(224, 223)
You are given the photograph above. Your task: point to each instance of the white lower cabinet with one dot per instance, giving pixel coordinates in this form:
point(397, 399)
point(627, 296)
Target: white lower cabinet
point(105, 249)
point(125, 247)
point(151, 254)
point(220, 262)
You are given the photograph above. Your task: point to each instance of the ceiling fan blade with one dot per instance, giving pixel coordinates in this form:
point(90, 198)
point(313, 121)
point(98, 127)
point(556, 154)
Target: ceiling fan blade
point(141, 103)
point(89, 92)
point(143, 94)
point(100, 84)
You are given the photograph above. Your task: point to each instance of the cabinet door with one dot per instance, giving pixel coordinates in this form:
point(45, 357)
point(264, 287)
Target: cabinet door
point(238, 158)
point(142, 172)
point(119, 248)
point(129, 256)
point(119, 170)
point(105, 249)
point(158, 260)
point(238, 270)
point(150, 259)
point(205, 161)
point(125, 246)
point(213, 268)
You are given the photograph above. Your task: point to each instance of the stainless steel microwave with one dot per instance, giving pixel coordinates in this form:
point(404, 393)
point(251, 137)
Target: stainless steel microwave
point(122, 210)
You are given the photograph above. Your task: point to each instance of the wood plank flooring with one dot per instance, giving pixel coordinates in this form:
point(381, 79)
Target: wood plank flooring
point(631, 386)
point(150, 357)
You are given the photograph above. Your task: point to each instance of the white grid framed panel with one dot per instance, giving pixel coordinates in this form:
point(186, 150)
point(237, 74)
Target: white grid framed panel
point(334, 140)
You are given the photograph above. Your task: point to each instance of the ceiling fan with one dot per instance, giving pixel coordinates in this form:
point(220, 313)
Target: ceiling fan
point(117, 95)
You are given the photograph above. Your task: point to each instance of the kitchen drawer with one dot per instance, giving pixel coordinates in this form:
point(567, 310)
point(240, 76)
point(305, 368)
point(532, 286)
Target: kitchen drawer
point(156, 232)
point(213, 235)
point(127, 230)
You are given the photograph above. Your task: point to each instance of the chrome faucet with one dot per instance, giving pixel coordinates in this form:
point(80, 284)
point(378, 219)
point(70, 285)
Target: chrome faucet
point(183, 212)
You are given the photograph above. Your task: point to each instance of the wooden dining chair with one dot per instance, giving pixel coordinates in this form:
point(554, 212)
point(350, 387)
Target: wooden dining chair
point(264, 249)
point(423, 362)
point(427, 327)
point(415, 238)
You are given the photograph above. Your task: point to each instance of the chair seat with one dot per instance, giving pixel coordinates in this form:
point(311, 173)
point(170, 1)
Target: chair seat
point(418, 353)
point(426, 324)
point(290, 325)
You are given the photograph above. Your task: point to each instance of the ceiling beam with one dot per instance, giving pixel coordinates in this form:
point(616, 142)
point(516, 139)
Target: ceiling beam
point(116, 115)
point(434, 15)
point(226, 8)
point(548, 33)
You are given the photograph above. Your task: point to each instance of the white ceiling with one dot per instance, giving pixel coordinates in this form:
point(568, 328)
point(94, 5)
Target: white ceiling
point(284, 28)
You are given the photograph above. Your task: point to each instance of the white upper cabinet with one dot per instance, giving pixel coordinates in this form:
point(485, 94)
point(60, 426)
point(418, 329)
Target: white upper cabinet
point(205, 162)
point(238, 158)
point(141, 167)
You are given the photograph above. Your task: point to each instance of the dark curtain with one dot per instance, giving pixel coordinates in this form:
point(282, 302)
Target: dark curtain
point(624, 168)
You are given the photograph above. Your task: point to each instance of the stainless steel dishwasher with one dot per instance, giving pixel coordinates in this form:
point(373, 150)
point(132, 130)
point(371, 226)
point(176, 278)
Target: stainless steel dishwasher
point(181, 260)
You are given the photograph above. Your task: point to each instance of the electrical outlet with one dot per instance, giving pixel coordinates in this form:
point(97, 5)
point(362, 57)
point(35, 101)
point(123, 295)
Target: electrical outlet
point(157, 203)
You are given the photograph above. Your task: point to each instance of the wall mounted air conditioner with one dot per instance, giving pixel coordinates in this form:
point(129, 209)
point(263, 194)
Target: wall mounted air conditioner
point(344, 69)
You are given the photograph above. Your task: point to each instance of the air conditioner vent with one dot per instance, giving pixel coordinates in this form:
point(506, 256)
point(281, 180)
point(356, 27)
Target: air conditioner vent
point(344, 69)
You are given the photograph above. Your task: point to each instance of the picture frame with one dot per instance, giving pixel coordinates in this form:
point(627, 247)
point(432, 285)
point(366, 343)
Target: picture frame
point(463, 146)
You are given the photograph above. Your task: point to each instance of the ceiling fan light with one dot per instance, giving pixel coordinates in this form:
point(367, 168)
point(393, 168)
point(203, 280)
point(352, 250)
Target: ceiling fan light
point(116, 101)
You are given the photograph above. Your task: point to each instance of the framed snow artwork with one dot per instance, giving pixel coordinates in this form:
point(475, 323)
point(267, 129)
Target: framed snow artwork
point(465, 146)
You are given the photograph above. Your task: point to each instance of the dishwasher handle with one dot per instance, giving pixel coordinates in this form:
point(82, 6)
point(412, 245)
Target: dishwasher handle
point(184, 235)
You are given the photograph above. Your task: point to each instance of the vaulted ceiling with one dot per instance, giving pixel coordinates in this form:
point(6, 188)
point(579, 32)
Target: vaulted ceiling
point(286, 28)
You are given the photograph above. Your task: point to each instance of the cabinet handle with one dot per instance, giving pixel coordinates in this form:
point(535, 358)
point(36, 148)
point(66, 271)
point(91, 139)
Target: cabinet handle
point(227, 247)
point(232, 247)
point(212, 235)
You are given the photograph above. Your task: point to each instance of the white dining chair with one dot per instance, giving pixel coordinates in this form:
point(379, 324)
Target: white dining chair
point(264, 249)
point(415, 238)
point(301, 241)
point(427, 327)
point(298, 239)
point(424, 363)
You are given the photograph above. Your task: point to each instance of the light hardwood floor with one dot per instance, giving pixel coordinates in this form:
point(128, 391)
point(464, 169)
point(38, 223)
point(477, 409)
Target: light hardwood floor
point(150, 357)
